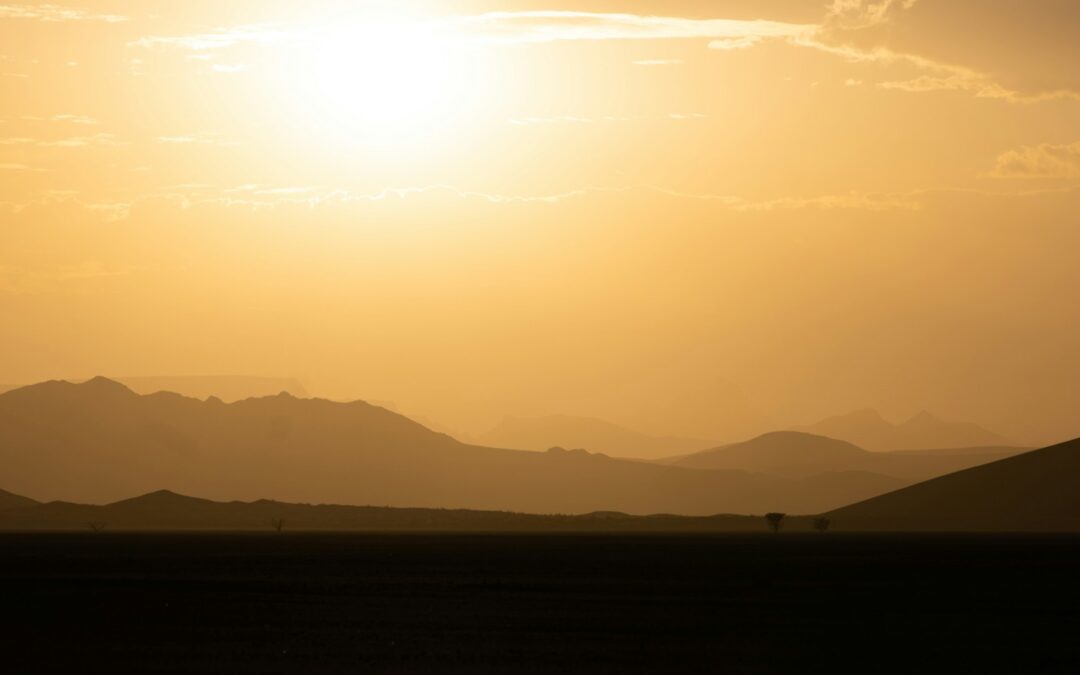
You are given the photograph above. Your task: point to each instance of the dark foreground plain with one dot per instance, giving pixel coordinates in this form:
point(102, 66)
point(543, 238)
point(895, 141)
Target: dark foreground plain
point(387, 603)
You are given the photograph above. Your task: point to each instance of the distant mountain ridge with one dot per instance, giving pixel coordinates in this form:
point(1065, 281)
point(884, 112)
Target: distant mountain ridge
point(796, 454)
point(228, 388)
point(868, 429)
point(98, 441)
point(595, 435)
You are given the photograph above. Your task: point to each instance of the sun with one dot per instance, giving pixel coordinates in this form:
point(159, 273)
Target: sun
point(380, 81)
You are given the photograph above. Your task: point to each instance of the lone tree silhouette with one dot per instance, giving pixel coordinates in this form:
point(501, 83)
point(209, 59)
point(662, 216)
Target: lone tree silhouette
point(775, 520)
point(821, 524)
point(96, 527)
point(278, 524)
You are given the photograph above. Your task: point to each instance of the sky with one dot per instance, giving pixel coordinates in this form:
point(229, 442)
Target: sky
point(702, 219)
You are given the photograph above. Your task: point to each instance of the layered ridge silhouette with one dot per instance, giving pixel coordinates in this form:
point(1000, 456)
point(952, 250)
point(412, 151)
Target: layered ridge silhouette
point(98, 441)
point(568, 431)
point(869, 430)
point(796, 454)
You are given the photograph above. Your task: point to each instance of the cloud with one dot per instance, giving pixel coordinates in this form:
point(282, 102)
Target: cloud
point(68, 119)
point(552, 26)
point(55, 13)
point(841, 18)
point(71, 142)
point(743, 42)
point(860, 14)
point(261, 197)
point(939, 76)
point(964, 80)
point(1040, 161)
point(572, 119)
point(83, 141)
point(510, 28)
point(224, 38)
point(199, 138)
point(19, 167)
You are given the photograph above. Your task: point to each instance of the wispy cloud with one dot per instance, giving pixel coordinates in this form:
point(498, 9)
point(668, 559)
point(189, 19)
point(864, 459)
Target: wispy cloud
point(860, 14)
point(744, 42)
point(70, 142)
point(510, 28)
point(938, 76)
point(575, 119)
point(83, 141)
point(198, 138)
point(829, 35)
point(55, 14)
point(982, 86)
point(1040, 161)
point(68, 119)
point(552, 26)
point(19, 167)
point(224, 38)
point(268, 197)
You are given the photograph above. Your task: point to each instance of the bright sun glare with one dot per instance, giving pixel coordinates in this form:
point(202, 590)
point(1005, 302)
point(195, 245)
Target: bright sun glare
point(379, 81)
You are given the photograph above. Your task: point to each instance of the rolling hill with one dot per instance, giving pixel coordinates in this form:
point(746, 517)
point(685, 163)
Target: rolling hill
point(98, 441)
point(1038, 491)
point(595, 435)
point(164, 511)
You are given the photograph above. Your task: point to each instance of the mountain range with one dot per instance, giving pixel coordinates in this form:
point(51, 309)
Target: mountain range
point(869, 430)
point(98, 441)
point(1031, 492)
point(795, 454)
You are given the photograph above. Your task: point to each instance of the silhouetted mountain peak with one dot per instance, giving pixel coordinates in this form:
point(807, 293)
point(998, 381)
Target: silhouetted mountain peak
point(865, 414)
point(772, 451)
point(798, 437)
point(104, 385)
point(923, 417)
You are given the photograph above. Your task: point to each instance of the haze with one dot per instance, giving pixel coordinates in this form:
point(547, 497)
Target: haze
point(695, 220)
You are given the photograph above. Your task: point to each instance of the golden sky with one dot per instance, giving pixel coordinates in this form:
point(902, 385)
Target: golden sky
point(691, 218)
